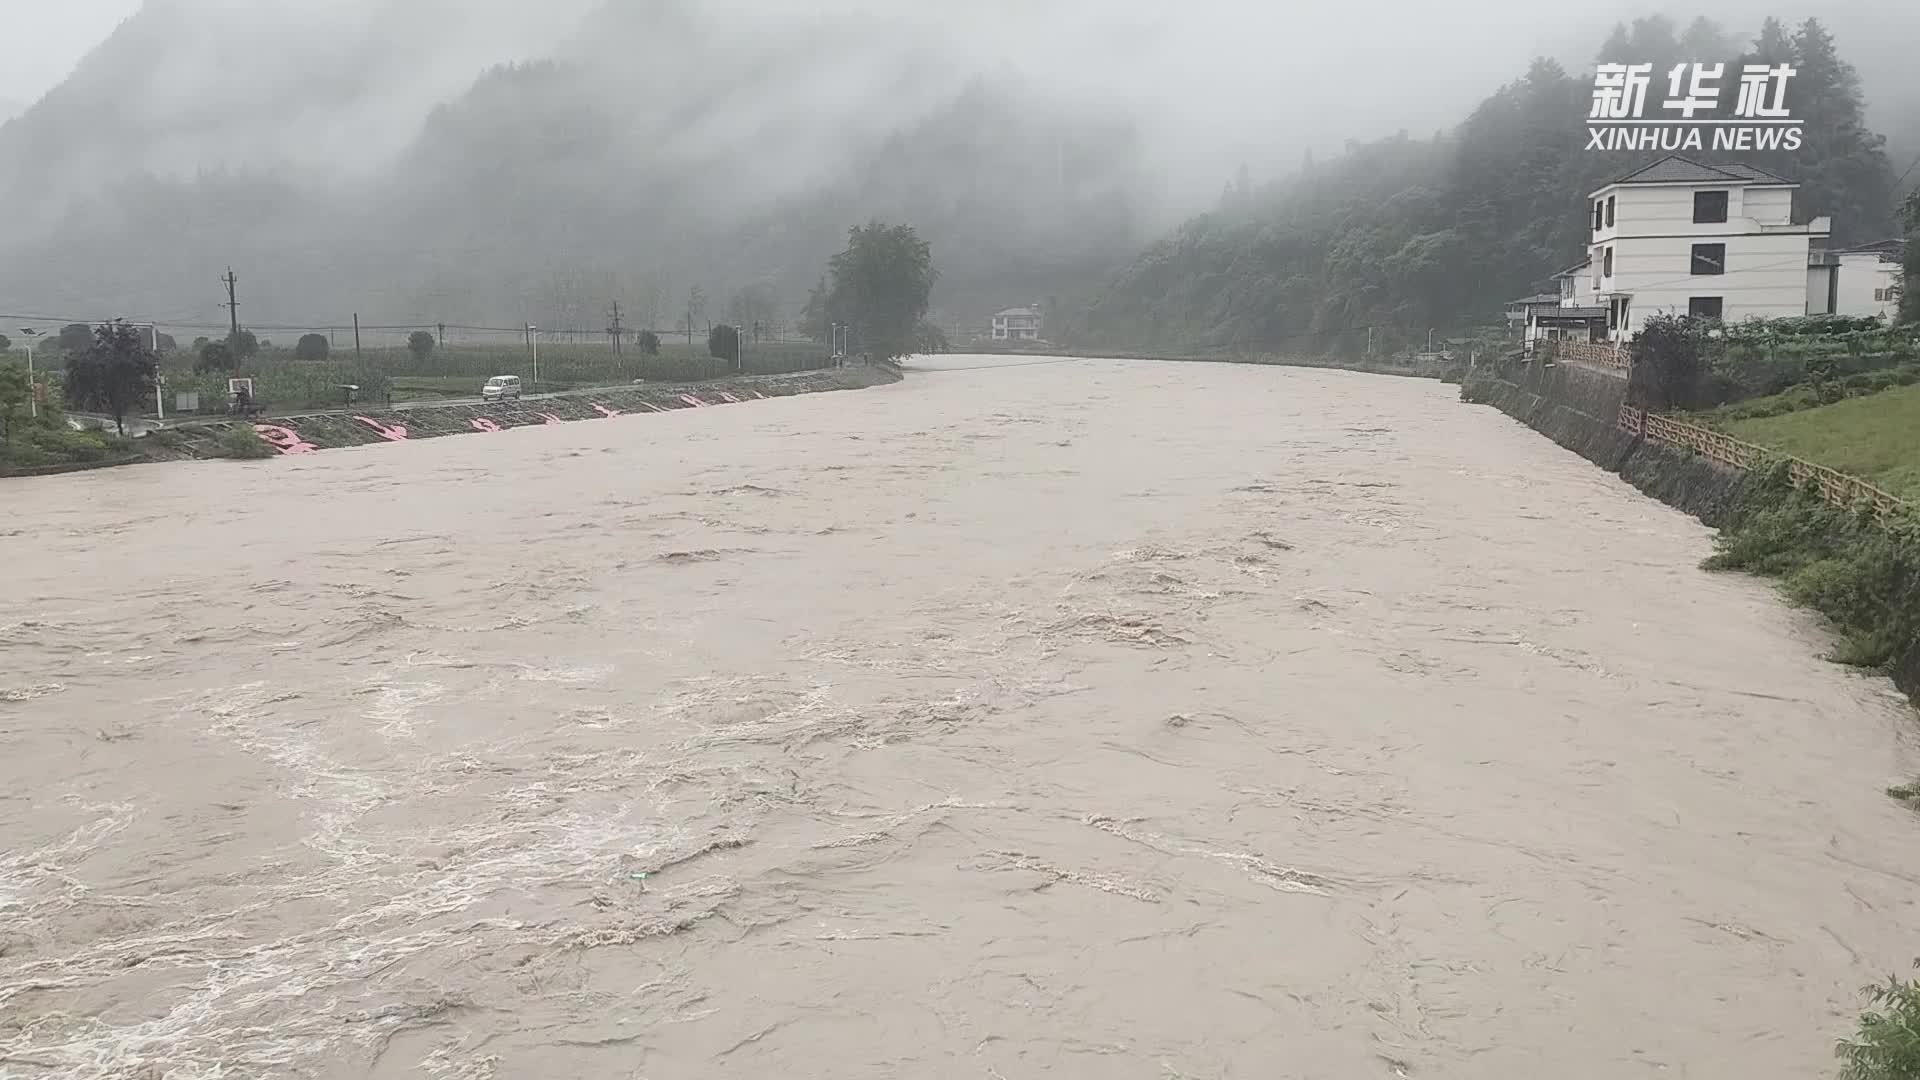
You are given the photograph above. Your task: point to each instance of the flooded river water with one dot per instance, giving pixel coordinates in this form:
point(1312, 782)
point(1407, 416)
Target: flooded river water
point(1103, 719)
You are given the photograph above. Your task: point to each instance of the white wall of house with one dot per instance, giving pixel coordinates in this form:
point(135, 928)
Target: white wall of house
point(1667, 210)
point(1818, 297)
point(1868, 285)
point(1766, 276)
point(1652, 237)
point(1017, 325)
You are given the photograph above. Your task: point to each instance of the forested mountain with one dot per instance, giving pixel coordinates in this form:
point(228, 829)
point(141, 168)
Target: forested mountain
point(1406, 233)
point(660, 147)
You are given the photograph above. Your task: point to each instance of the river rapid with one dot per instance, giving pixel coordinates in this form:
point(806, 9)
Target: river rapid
point(1022, 719)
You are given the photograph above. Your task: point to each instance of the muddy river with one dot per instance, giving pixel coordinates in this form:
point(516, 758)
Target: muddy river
point(1076, 718)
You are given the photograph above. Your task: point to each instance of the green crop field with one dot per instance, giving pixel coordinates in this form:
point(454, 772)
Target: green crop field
point(1876, 438)
point(283, 383)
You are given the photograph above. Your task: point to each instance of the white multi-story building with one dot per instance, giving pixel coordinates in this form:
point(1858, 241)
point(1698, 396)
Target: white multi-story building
point(1714, 241)
point(1017, 324)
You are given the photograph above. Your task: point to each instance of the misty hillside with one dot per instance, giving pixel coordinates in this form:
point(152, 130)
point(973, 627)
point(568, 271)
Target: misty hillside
point(1405, 234)
point(712, 153)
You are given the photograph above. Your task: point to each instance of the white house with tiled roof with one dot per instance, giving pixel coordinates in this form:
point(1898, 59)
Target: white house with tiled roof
point(1717, 241)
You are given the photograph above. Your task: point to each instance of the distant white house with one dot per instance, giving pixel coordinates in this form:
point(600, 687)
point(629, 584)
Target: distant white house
point(1712, 241)
point(1865, 280)
point(1017, 324)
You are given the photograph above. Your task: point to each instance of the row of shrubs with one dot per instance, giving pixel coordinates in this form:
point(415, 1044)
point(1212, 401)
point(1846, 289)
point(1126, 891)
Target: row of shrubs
point(1812, 396)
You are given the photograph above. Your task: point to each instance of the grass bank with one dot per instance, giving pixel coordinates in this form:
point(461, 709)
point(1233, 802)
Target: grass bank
point(1875, 437)
point(43, 444)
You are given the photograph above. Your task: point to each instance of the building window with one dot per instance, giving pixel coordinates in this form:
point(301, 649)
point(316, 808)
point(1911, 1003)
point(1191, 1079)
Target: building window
point(1599, 214)
point(1709, 259)
point(1709, 207)
point(1610, 211)
point(1606, 264)
point(1880, 296)
point(1706, 307)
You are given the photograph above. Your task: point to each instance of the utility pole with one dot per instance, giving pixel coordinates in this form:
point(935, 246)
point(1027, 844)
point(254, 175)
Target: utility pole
point(356, 336)
point(233, 305)
point(33, 388)
point(443, 335)
point(613, 329)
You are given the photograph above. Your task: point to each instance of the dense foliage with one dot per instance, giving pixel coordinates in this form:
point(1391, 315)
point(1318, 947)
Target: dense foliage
point(114, 374)
point(312, 348)
point(1669, 364)
point(1862, 574)
point(1407, 234)
point(214, 357)
point(880, 287)
point(1887, 1046)
point(723, 342)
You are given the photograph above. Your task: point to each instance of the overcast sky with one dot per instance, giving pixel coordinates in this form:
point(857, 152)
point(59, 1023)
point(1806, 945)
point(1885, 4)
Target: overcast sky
point(45, 38)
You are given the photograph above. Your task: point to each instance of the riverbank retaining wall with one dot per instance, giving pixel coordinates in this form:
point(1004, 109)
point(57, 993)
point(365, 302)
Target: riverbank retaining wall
point(1579, 408)
point(292, 435)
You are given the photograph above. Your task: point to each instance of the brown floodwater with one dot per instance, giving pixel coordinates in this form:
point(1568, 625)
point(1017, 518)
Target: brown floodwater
point(1083, 718)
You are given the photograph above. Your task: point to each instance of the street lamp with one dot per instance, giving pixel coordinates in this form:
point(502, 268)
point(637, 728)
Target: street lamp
point(33, 397)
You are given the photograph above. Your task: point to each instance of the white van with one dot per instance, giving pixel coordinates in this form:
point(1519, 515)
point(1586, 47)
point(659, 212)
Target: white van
point(501, 388)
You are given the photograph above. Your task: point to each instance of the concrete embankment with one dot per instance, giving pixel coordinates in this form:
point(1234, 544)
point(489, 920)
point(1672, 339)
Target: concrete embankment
point(361, 427)
point(1579, 408)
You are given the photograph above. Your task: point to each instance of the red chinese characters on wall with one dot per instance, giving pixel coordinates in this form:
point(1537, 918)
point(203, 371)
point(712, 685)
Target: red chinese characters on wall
point(482, 423)
point(284, 439)
point(396, 433)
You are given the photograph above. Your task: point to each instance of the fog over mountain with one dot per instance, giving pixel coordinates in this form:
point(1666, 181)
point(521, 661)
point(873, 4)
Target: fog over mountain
point(505, 160)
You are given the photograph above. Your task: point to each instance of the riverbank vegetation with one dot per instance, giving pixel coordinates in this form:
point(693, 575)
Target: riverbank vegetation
point(310, 377)
point(1874, 436)
point(1887, 1044)
point(36, 436)
point(1859, 570)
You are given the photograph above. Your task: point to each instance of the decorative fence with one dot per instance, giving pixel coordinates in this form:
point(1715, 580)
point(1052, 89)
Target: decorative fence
point(1603, 354)
point(1836, 488)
